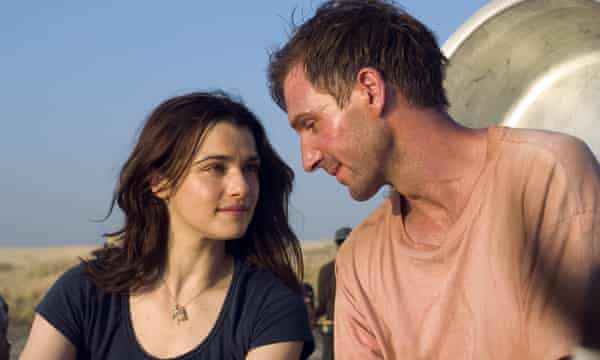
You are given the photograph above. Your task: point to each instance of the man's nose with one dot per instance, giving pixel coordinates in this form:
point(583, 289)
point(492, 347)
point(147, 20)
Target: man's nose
point(311, 156)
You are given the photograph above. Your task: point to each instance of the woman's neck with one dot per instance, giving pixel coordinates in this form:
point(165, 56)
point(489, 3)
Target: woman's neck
point(194, 267)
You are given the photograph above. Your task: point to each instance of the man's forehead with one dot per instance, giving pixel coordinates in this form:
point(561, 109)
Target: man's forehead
point(301, 97)
point(295, 87)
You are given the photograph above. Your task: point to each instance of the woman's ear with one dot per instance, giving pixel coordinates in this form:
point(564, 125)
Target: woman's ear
point(160, 187)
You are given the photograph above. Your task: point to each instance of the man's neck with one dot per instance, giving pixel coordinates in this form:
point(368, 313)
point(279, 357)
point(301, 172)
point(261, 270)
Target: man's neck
point(436, 165)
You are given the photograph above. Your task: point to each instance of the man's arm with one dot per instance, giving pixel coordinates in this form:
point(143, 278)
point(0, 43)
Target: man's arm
point(353, 338)
point(562, 213)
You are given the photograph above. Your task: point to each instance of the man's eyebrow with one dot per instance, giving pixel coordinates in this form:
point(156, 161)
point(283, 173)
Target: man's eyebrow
point(301, 117)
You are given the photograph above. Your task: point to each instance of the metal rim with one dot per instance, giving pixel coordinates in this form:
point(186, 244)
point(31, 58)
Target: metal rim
point(481, 16)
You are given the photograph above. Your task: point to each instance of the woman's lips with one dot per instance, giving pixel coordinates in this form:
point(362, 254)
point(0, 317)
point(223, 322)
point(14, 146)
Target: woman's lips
point(233, 210)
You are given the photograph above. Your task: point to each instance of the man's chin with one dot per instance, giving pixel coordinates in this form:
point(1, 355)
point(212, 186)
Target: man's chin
point(361, 194)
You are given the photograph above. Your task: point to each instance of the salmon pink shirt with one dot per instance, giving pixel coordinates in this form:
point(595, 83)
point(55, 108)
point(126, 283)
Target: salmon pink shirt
point(497, 286)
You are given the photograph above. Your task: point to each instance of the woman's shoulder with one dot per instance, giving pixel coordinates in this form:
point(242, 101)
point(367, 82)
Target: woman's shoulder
point(74, 302)
point(269, 311)
point(257, 289)
point(260, 279)
point(74, 277)
point(74, 284)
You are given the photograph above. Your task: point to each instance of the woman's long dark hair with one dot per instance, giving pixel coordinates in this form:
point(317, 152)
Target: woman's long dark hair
point(166, 146)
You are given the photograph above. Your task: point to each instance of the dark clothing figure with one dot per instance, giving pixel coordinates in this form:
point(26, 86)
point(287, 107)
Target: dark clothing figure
point(309, 300)
point(4, 344)
point(326, 297)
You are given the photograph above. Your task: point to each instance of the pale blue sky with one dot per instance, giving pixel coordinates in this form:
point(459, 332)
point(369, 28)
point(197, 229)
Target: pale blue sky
point(78, 78)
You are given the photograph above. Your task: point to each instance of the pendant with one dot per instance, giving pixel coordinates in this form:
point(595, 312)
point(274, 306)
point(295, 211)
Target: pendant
point(179, 314)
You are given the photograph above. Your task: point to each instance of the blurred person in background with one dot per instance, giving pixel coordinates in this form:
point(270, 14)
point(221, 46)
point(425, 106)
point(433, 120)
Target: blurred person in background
point(4, 344)
point(309, 300)
point(206, 265)
point(326, 297)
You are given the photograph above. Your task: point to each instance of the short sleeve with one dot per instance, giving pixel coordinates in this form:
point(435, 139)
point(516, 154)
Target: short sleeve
point(559, 276)
point(282, 317)
point(564, 218)
point(353, 339)
point(63, 305)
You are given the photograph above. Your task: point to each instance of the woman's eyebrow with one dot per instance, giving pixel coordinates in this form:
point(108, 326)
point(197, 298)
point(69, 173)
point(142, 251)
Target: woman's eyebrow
point(218, 157)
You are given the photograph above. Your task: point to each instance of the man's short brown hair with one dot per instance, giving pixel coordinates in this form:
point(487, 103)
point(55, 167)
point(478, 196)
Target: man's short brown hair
point(345, 36)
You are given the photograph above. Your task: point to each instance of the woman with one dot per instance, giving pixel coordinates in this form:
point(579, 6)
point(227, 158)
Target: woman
point(204, 266)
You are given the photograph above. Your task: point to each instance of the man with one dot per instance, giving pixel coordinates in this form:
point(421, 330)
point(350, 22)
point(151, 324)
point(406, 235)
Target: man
point(486, 230)
point(4, 344)
point(326, 295)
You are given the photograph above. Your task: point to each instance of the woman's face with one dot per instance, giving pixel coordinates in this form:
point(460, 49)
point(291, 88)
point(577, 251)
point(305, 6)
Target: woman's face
point(217, 197)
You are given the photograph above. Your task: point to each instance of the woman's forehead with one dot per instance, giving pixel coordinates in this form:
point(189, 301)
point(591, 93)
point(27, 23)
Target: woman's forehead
point(229, 140)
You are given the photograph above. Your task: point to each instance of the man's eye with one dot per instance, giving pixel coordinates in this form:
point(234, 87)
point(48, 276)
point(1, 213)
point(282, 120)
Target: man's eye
point(310, 126)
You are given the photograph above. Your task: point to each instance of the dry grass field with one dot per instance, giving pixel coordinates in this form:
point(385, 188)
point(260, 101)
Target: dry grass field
point(27, 273)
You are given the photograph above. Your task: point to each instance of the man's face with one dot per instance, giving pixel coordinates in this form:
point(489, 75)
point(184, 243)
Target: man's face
point(346, 143)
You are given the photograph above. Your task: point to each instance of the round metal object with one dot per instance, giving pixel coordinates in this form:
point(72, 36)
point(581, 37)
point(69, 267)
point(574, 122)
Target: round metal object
point(528, 63)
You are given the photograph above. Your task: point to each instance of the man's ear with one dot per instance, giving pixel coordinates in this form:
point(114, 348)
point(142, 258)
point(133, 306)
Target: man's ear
point(371, 84)
point(160, 187)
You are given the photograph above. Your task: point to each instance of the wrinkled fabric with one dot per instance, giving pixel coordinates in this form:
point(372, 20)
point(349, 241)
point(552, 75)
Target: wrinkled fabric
point(505, 282)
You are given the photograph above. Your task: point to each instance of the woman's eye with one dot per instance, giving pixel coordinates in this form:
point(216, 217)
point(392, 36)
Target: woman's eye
point(215, 168)
point(254, 168)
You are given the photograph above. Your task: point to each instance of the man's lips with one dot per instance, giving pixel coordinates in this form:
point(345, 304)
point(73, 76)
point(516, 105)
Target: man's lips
point(333, 171)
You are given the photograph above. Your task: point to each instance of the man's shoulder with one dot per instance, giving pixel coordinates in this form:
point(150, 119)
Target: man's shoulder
point(365, 235)
point(553, 168)
point(557, 148)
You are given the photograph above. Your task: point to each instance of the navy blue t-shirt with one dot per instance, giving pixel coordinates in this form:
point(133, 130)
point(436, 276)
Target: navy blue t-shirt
point(258, 310)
